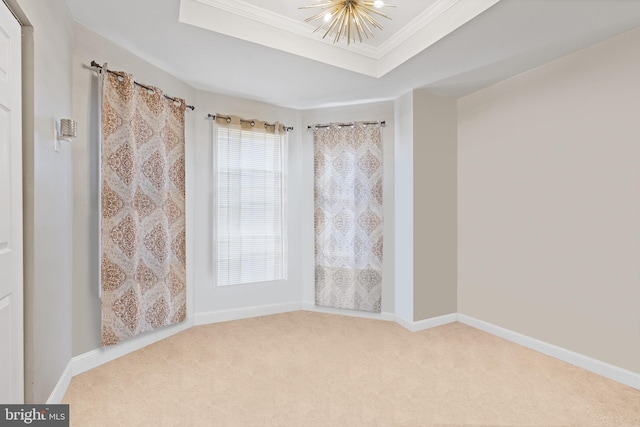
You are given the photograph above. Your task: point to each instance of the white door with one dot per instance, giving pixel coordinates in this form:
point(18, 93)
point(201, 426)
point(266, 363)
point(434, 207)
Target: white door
point(11, 323)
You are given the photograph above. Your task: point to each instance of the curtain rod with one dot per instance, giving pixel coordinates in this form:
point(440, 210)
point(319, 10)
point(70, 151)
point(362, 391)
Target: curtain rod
point(94, 64)
point(213, 116)
point(382, 123)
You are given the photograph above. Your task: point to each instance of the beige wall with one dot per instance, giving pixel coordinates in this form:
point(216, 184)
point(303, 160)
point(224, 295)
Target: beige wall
point(549, 206)
point(434, 205)
point(403, 207)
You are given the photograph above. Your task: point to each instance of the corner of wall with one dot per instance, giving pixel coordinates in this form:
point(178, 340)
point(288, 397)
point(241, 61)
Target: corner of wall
point(434, 205)
point(404, 219)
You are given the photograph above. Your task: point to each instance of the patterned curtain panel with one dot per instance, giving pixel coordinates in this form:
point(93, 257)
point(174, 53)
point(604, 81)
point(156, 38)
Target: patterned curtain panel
point(348, 216)
point(143, 209)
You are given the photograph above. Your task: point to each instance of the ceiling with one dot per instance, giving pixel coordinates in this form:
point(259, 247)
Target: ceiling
point(451, 47)
point(414, 27)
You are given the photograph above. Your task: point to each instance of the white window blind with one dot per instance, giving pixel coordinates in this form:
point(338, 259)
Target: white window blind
point(250, 229)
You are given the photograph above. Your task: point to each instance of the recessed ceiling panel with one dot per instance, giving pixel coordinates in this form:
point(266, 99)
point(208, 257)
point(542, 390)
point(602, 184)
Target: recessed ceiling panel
point(416, 26)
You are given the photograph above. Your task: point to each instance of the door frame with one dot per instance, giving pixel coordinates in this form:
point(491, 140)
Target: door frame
point(16, 222)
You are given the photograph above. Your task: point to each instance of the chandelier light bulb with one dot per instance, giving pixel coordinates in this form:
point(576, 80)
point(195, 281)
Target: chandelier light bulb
point(378, 4)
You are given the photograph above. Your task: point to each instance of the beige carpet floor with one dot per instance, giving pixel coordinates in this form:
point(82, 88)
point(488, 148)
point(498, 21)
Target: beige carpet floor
point(312, 369)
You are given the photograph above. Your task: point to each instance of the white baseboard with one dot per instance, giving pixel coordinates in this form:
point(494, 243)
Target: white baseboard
point(311, 306)
point(61, 386)
point(95, 358)
point(632, 379)
point(421, 325)
point(243, 313)
point(102, 355)
point(410, 325)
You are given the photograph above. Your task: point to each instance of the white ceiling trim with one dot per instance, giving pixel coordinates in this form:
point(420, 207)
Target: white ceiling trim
point(200, 14)
point(416, 24)
point(252, 23)
point(300, 28)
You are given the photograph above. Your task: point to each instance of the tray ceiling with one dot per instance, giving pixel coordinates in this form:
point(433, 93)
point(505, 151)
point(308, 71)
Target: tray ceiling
point(457, 51)
point(415, 25)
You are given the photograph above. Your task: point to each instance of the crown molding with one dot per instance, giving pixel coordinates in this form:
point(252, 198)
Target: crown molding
point(259, 14)
point(245, 21)
point(300, 28)
point(419, 22)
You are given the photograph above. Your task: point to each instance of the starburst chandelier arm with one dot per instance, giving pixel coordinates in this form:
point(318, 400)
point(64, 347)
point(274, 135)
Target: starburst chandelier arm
point(320, 15)
point(372, 21)
point(376, 11)
point(373, 4)
point(319, 27)
point(330, 9)
point(323, 5)
point(343, 23)
point(363, 24)
point(358, 22)
point(350, 36)
point(315, 17)
point(332, 27)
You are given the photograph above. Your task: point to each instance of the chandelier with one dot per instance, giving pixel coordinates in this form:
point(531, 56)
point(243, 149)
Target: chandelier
point(348, 18)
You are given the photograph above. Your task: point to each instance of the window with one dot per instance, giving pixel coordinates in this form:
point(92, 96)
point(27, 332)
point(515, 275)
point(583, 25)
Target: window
point(250, 211)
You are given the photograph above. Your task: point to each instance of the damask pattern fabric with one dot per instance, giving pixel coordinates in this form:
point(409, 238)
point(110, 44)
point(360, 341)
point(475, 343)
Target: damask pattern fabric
point(348, 216)
point(143, 209)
